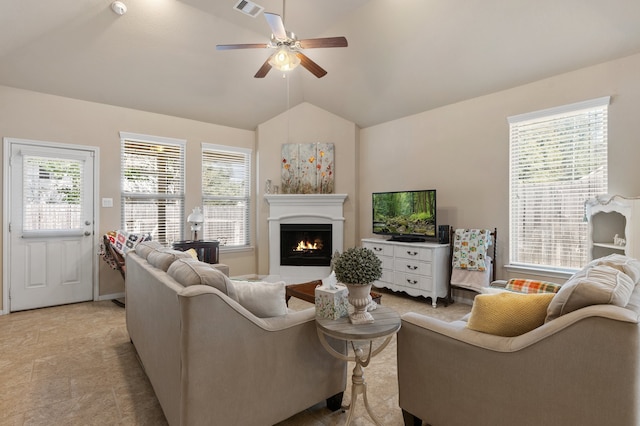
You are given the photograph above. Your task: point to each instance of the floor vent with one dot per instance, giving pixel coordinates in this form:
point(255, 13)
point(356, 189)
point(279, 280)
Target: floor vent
point(248, 8)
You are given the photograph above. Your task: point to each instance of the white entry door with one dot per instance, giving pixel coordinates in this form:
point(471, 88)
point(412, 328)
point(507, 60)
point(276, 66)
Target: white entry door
point(51, 224)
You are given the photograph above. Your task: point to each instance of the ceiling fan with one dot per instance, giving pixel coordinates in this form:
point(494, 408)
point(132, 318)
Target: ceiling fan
point(287, 55)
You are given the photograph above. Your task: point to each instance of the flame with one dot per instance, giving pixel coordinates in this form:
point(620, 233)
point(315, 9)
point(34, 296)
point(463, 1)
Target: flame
point(302, 246)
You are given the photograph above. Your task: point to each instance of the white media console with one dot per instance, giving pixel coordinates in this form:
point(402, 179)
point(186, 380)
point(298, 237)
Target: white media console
point(418, 269)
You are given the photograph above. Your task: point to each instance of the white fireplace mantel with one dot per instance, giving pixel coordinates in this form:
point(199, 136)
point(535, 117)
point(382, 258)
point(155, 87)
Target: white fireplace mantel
point(308, 209)
point(306, 199)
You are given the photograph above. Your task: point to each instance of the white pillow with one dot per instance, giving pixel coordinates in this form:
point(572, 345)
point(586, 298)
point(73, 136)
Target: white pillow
point(262, 299)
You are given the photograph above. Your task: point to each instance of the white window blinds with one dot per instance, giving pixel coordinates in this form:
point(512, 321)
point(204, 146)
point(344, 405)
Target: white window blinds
point(153, 186)
point(226, 189)
point(558, 160)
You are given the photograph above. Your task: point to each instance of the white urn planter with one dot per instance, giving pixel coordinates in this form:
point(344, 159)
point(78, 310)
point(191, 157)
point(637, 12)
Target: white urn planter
point(354, 267)
point(360, 298)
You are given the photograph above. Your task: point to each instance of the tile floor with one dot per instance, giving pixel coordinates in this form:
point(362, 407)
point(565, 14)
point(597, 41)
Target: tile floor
point(75, 365)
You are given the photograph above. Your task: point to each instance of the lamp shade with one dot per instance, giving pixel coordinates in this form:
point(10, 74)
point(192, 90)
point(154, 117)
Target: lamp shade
point(196, 216)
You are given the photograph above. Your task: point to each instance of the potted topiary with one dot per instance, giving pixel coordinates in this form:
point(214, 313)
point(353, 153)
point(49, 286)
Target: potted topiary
point(357, 268)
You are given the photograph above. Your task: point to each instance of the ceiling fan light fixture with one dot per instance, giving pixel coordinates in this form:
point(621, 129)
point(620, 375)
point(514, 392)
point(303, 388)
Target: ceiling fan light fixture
point(284, 59)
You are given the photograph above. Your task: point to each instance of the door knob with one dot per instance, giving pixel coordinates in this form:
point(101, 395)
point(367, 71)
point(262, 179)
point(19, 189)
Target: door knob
point(86, 233)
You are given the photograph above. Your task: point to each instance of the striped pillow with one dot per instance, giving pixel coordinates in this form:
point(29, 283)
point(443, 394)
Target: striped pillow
point(531, 286)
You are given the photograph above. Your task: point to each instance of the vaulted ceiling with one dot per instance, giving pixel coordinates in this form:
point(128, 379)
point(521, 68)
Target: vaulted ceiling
point(404, 56)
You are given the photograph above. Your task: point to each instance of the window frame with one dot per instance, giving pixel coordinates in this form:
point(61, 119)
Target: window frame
point(517, 127)
point(179, 196)
point(247, 197)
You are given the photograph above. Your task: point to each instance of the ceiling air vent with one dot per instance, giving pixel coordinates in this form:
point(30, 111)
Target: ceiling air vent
point(248, 8)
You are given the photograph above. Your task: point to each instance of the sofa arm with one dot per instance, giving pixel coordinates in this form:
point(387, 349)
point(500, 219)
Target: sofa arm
point(222, 268)
point(458, 329)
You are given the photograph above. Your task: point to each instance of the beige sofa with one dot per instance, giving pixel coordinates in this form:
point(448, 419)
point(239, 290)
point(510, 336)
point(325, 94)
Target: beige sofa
point(211, 361)
point(580, 367)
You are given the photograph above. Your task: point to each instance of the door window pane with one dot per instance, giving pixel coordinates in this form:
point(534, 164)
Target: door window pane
point(52, 193)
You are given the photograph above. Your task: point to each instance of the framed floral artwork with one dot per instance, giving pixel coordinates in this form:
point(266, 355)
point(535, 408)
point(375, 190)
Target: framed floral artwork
point(307, 168)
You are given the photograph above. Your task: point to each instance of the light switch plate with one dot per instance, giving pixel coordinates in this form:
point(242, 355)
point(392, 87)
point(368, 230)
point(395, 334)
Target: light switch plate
point(107, 202)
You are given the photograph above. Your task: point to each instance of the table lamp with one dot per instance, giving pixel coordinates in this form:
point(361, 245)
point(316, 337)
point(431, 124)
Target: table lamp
point(196, 219)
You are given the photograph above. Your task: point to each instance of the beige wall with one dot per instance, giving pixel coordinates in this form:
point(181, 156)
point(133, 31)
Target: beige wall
point(462, 150)
point(30, 115)
point(307, 123)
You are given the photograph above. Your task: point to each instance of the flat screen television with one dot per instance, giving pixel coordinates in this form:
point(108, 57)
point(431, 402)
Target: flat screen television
point(405, 215)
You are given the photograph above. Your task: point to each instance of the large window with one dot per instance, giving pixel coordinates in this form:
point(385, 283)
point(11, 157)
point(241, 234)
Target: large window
point(226, 190)
point(153, 186)
point(558, 160)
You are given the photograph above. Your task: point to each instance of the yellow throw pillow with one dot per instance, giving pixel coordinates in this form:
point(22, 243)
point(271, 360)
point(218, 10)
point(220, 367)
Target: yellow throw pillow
point(193, 253)
point(508, 314)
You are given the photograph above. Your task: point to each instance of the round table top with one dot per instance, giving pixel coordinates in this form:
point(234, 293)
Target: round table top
point(386, 322)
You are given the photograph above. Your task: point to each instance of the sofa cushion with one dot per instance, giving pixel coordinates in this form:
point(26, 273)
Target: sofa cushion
point(164, 257)
point(189, 271)
point(507, 313)
point(531, 286)
point(262, 299)
point(593, 285)
point(144, 248)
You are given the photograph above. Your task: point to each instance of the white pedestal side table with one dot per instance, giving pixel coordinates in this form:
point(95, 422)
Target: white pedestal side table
point(386, 324)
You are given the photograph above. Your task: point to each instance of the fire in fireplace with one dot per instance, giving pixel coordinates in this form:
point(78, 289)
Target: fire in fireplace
point(305, 244)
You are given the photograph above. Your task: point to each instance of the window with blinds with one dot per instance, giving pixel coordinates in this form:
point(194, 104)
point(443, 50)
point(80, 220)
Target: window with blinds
point(153, 186)
point(226, 189)
point(558, 160)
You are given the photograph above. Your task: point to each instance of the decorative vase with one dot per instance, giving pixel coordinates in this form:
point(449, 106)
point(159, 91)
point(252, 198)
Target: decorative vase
point(360, 297)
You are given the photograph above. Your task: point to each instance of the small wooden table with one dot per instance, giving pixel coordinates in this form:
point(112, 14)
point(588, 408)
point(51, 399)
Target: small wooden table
point(386, 324)
point(306, 292)
point(208, 251)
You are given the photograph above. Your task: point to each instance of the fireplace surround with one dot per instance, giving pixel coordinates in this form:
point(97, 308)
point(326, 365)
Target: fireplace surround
point(319, 216)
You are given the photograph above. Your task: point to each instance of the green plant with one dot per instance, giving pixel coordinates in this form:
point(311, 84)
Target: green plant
point(358, 265)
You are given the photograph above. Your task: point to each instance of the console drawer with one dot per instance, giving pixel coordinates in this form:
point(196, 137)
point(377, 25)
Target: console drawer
point(380, 249)
point(414, 281)
point(410, 266)
point(417, 253)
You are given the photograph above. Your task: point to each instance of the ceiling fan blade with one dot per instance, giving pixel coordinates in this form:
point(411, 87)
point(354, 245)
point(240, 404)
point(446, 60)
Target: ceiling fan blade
point(241, 46)
point(277, 27)
point(264, 69)
point(314, 68)
point(323, 42)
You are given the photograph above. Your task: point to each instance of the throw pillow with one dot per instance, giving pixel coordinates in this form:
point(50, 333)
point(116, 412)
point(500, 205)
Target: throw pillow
point(594, 285)
point(192, 252)
point(508, 314)
point(531, 286)
point(628, 265)
point(262, 299)
point(189, 271)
